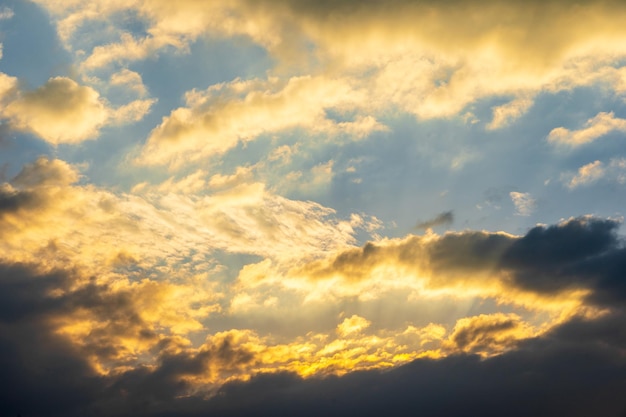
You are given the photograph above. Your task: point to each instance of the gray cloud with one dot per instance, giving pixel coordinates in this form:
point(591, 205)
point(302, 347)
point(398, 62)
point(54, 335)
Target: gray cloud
point(45, 373)
point(581, 253)
point(442, 219)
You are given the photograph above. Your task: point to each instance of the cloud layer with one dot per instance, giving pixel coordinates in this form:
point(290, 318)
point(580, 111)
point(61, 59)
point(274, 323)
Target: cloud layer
point(312, 208)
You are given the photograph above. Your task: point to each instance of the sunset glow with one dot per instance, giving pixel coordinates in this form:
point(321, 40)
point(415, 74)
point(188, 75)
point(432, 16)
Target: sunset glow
point(304, 208)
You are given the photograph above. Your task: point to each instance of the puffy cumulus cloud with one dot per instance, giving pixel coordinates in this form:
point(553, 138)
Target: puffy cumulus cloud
point(353, 347)
point(429, 58)
point(215, 120)
point(114, 323)
point(8, 87)
point(596, 127)
point(62, 111)
point(524, 203)
point(458, 27)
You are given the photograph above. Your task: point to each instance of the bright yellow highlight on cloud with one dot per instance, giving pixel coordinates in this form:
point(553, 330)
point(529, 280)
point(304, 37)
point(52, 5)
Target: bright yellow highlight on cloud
point(62, 111)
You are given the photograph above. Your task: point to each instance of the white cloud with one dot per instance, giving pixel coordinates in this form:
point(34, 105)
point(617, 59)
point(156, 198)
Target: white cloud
point(614, 170)
point(507, 113)
point(593, 129)
point(6, 13)
point(524, 203)
point(131, 112)
point(617, 167)
point(587, 174)
point(129, 79)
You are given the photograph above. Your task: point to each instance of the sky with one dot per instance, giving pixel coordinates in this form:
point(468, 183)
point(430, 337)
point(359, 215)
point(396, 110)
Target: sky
point(290, 207)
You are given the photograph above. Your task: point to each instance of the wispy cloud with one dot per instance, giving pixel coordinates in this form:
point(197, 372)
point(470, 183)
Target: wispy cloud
point(442, 219)
point(524, 203)
point(6, 13)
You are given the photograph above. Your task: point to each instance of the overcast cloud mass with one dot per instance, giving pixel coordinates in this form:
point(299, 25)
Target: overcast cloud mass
point(305, 208)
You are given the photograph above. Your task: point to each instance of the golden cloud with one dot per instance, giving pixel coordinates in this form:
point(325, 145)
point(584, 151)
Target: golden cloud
point(62, 111)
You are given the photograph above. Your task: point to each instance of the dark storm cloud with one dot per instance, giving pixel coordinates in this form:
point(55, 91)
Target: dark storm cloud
point(466, 251)
point(582, 253)
point(544, 378)
point(42, 373)
point(576, 240)
point(557, 374)
point(45, 374)
point(152, 391)
point(442, 219)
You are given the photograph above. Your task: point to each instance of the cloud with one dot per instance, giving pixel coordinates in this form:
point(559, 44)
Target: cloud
point(587, 174)
point(81, 342)
point(209, 293)
point(129, 79)
point(442, 219)
point(524, 203)
point(587, 373)
point(128, 49)
point(46, 214)
point(215, 120)
point(352, 325)
point(62, 111)
point(560, 269)
point(595, 171)
point(486, 334)
point(505, 114)
point(600, 125)
point(427, 59)
point(580, 360)
point(6, 13)
point(134, 336)
point(618, 167)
